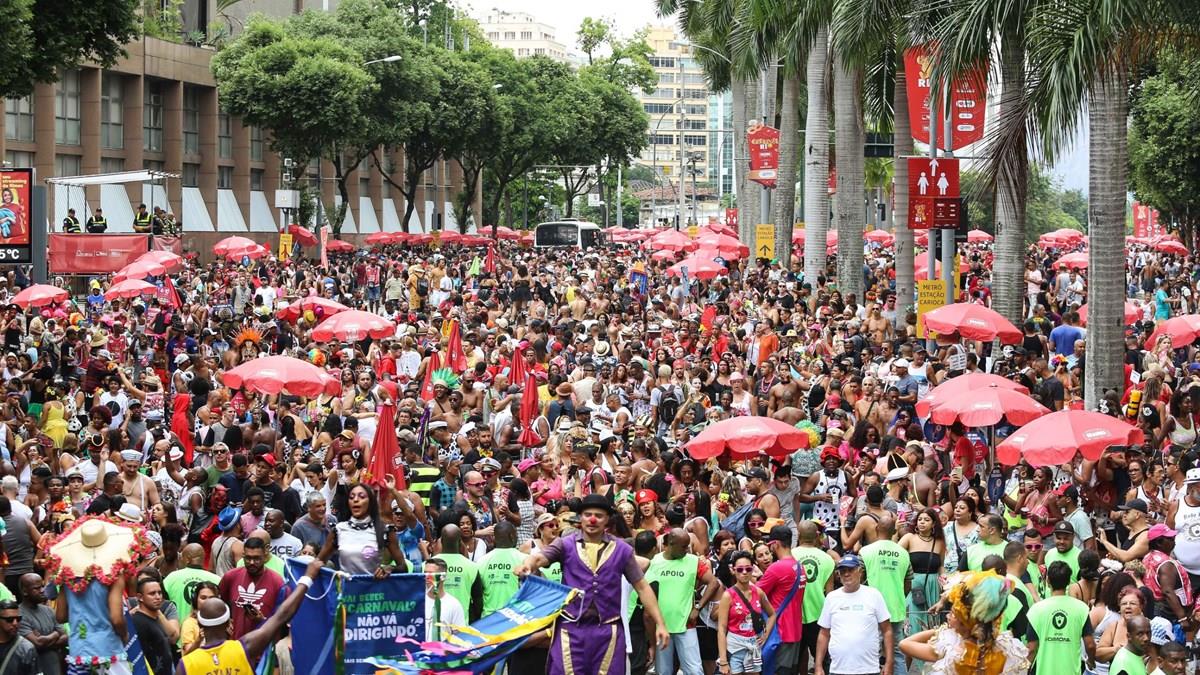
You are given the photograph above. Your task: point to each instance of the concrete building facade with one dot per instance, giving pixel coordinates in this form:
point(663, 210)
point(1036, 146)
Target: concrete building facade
point(523, 34)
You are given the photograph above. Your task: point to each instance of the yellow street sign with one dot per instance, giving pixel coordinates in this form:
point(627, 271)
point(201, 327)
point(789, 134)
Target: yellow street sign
point(931, 294)
point(693, 231)
point(764, 241)
point(285, 245)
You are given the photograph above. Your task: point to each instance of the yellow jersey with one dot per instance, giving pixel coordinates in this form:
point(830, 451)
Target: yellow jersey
point(226, 658)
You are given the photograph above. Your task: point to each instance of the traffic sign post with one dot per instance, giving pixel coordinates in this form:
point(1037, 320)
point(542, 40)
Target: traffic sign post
point(764, 241)
point(933, 193)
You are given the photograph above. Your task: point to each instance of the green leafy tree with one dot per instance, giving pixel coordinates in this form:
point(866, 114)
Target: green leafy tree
point(1046, 208)
point(43, 37)
point(1164, 157)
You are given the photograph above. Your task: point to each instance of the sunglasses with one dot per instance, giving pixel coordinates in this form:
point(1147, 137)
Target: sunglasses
point(743, 570)
point(478, 483)
point(10, 619)
point(1033, 547)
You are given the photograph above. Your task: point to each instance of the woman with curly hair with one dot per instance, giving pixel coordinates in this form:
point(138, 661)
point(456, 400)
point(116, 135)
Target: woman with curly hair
point(971, 641)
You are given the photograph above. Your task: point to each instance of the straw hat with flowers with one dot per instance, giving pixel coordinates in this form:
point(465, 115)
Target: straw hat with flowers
point(96, 549)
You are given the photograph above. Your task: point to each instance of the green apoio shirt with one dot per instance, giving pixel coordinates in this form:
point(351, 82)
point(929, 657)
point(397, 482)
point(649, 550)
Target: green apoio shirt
point(977, 552)
point(1071, 557)
point(676, 588)
point(499, 582)
point(1127, 663)
point(1035, 578)
point(460, 577)
point(177, 584)
point(1058, 623)
point(887, 566)
point(818, 567)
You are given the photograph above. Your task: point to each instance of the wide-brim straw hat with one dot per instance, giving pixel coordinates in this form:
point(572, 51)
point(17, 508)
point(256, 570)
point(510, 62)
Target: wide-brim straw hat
point(97, 542)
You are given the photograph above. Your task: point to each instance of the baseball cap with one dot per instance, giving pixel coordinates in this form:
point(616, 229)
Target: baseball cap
point(777, 531)
point(759, 473)
point(1067, 490)
point(849, 561)
point(1192, 475)
point(900, 363)
point(1159, 530)
point(1135, 505)
point(1161, 631)
point(1063, 527)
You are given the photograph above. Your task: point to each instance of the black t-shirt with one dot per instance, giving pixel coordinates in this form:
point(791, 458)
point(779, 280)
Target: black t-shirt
point(1052, 391)
point(272, 493)
point(155, 644)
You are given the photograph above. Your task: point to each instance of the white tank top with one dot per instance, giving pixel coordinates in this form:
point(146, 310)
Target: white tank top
point(829, 512)
point(1187, 541)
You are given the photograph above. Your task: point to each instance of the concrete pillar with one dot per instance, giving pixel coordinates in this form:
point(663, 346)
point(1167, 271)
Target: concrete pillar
point(209, 129)
point(43, 137)
point(173, 140)
point(328, 190)
point(89, 131)
point(272, 164)
point(241, 167)
point(134, 99)
point(375, 185)
point(352, 187)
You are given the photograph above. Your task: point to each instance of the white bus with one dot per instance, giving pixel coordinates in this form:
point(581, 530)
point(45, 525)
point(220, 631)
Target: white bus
point(560, 233)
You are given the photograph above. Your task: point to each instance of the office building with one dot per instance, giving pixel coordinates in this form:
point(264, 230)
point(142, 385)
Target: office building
point(523, 34)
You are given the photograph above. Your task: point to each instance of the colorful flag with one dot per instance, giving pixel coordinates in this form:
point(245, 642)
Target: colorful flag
point(529, 412)
point(456, 358)
point(386, 459)
point(637, 277)
point(433, 364)
point(489, 265)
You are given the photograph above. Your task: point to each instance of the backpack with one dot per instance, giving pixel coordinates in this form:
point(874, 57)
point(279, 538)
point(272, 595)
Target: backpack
point(668, 404)
point(735, 522)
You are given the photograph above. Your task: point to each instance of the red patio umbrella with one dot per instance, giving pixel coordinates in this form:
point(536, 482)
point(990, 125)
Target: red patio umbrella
point(879, 237)
point(139, 269)
point(663, 256)
point(227, 244)
point(303, 235)
point(985, 407)
point(321, 307)
point(39, 295)
point(421, 239)
point(958, 386)
point(378, 238)
point(1078, 261)
point(1133, 313)
point(1055, 438)
point(745, 437)
point(169, 261)
point(450, 237)
point(1183, 330)
point(672, 240)
point(500, 232)
point(726, 246)
point(353, 325)
point(386, 459)
point(340, 246)
point(979, 237)
point(1171, 246)
point(721, 228)
point(273, 374)
point(697, 268)
point(130, 288)
point(974, 322)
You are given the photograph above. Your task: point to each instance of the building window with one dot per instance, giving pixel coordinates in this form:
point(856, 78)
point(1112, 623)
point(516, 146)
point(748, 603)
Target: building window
point(696, 93)
point(694, 78)
point(66, 109)
point(19, 159)
point(662, 139)
point(539, 50)
point(523, 51)
point(256, 179)
point(695, 124)
point(666, 78)
point(494, 36)
point(18, 119)
point(112, 112)
point(695, 140)
point(526, 35)
point(662, 61)
point(658, 108)
point(153, 165)
point(152, 117)
point(112, 164)
point(695, 110)
point(256, 144)
point(191, 120)
point(191, 175)
point(225, 178)
point(224, 136)
point(68, 165)
point(510, 35)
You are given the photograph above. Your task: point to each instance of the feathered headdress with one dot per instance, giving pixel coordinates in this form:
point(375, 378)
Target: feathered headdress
point(978, 600)
point(247, 335)
point(446, 378)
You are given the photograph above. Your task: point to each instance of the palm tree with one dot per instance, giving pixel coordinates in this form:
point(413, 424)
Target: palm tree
point(816, 157)
point(848, 200)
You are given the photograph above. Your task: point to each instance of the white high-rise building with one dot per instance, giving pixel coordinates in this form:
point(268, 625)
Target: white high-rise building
point(523, 34)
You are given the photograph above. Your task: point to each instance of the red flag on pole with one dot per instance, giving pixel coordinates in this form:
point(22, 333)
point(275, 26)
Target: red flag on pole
point(456, 358)
point(517, 369)
point(529, 413)
point(169, 293)
point(489, 263)
point(386, 459)
point(179, 424)
point(434, 363)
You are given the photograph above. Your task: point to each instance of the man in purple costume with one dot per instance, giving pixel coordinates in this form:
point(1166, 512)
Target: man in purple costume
point(588, 637)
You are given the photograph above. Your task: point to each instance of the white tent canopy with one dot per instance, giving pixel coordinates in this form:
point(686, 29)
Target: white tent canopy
point(112, 178)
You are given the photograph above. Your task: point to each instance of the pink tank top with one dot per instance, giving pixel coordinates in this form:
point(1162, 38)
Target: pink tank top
point(740, 621)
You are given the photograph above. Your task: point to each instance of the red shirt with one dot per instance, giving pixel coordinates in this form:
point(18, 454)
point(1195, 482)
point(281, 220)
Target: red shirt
point(777, 582)
point(238, 588)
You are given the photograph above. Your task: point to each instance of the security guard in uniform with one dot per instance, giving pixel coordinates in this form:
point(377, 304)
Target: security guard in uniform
point(71, 223)
point(97, 224)
point(142, 221)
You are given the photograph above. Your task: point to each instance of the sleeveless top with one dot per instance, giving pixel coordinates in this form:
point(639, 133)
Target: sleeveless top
point(741, 622)
point(1187, 541)
point(224, 658)
point(829, 513)
point(1154, 560)
point(91, 631)
point(1181, 435)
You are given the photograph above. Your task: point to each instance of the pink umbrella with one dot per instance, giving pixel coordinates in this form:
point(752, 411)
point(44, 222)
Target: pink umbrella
point(663, 256)
point(879, 237)
point(130, 288)
point(321, 307)
point(340, 246)
point(985, 407)
point(353, 325)
point(378, 238)
point(746, 437)
point(974, 322)
point(40, 295)
point(979, 237)
point(957, 386)
point(1077, 261)
point(450, 237)
point(1183, 330)
point(921, 238)
point(1055, 438)
point(922, 268)
point(227, 244)
point(1133, 313)
point(302, 235)
point(501, 232)
point(726, 246)
point(671, 240)
point(697, 268)
point(170, 261)
point(1171, 246)
point(720, 228)
point(273, 374)
point(139, 269)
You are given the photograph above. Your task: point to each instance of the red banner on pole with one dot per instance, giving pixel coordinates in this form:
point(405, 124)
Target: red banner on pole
point(94, 253)
point(764, 154)
point(731, 217)
point(1145, 222)
point(164, 243)
point(968, 100)
point(325, 247)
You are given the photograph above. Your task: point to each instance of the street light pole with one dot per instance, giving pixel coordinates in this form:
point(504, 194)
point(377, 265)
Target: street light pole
point(679, 138)
point(619, 202)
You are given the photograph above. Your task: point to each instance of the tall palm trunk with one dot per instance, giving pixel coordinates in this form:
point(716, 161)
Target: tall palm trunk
point(1108, 109)
point(816, 159)
point(903, 147)
point(849, 199)
point(784, 207)
point(740, 154)
point(1011, 187)
point(748, 193)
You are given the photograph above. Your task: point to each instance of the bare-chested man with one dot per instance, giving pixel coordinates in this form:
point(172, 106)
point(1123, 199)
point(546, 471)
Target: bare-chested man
point(472, 397)
point(786, 393)
point(879, 328)
point(139, 490)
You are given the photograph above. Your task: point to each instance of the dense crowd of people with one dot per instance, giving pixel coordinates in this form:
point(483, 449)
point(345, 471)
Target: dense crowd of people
point(889, 544)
